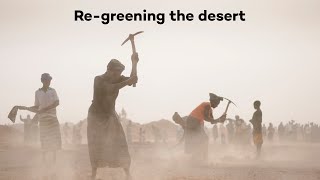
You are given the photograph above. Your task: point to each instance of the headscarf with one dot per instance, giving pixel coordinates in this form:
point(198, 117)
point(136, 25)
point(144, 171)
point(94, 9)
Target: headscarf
point(46, 76)
point(115, 65)
point(214, 97)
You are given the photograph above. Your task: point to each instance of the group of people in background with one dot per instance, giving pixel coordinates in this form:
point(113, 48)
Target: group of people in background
point(237, 131)
point(71, 133)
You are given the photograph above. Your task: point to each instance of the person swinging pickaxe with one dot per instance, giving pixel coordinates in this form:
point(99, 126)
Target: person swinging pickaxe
point(134, 52)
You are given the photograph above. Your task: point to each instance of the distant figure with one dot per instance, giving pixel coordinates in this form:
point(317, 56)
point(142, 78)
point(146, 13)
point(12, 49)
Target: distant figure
point(230, 128)
point(215, 134)
point(142, 135)
point(46, 101)
point(281, 131)
point(27, 125)
point(307, 131)
point(76, 134)
point(243, 133)
point(223, 133)
point(257, 129)
point(238, 130)
point(156, 134)
point(66, 131)
point(123, 114)
point(241, 130)
point(271, 131)
point(264, 130)
point(129, 132)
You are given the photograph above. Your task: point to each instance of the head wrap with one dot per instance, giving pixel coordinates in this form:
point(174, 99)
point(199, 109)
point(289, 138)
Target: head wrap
point(46, 76)
point(214, 97)
point(115, 65)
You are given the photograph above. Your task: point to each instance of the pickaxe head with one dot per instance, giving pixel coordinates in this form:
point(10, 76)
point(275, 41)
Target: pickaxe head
point(131, 36)
point(229, 101)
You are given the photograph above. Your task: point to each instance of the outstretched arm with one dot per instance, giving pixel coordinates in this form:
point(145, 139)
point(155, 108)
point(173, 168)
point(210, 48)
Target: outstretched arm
point(33, 109)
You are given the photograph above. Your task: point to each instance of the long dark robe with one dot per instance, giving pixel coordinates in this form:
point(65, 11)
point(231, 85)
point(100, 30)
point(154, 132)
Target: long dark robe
point(196, 139)
point(106, 139)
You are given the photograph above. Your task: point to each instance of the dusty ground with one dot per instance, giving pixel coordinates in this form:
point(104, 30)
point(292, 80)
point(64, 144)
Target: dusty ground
point(299, 161)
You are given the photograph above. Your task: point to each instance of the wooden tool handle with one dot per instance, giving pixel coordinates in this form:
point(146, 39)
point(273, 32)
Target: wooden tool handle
point(133, 46)
point(225, 112)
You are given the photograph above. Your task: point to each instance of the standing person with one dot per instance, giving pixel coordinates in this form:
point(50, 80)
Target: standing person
point(281, 131)
point(27, 125)
point(156, 134)
point(196, 140)
point(243, 132)
point(66, 130)
point(215, 133)
point(46, 101)
point(307, 133)
point(238, 130)
point(106, 139)
point(271, 131)
point(230, 128)
point(129, 132)
point(223, 133)
point(141, 135)
point(264, 130)
point(76, 134)
point(257, 128)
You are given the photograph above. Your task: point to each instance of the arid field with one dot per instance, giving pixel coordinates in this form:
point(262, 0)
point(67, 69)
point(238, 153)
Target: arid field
point(167, 162)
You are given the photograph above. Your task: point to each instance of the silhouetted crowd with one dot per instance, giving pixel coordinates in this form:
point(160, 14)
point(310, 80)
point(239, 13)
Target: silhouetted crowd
point(239, 132)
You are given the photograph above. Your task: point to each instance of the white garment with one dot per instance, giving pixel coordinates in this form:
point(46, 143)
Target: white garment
point(44, 99)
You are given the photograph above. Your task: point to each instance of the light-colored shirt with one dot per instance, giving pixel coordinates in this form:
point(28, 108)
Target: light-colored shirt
point(44, 99)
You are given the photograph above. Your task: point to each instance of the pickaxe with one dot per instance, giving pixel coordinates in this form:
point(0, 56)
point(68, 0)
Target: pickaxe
point(229, 102)
point(131, 38)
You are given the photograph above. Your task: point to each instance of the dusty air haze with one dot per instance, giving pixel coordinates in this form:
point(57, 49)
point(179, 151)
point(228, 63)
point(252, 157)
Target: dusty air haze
point(273, 56)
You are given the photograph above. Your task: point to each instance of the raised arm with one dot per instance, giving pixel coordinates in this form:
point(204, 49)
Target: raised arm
point(134, 60)
point(112, 87)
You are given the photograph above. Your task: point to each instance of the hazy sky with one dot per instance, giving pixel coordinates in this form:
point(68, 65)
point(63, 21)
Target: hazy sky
point(273, 56)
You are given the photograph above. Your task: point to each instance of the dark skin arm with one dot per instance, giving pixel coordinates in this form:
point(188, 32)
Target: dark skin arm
point(112, 87)
point(209, 118)
point(134, 59)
